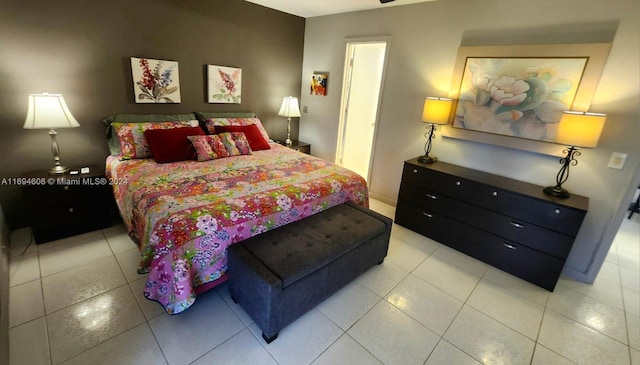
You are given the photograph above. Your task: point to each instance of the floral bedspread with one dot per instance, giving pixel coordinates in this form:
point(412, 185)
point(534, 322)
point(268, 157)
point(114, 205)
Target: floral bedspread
point(185, 214)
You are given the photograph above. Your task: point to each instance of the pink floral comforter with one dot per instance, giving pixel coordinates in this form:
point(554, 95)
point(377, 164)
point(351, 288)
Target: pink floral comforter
point(185, 214)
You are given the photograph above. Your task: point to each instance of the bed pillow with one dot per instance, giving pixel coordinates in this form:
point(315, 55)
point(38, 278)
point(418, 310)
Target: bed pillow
point(172, 145)
point(251, 131)
point(133, 144)
point(212, 123)
point(112, 139)
point(210, 147)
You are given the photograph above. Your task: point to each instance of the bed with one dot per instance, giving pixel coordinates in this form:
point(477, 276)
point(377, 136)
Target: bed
point(185, 214)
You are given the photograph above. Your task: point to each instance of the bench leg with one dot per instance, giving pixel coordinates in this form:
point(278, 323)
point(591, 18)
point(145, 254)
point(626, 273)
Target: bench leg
point(268, 340)
point(380, 263)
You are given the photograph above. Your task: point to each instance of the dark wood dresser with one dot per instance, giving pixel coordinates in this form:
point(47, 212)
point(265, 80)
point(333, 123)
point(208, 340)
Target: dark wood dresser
point(65, 205)
point(506, 223)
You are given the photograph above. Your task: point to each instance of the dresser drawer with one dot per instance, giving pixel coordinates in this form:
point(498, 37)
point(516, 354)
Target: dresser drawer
point(545, 214)
point(439, 182)
point(428, 223)
point(519, 260)
point(536, 237)
point(433, 201)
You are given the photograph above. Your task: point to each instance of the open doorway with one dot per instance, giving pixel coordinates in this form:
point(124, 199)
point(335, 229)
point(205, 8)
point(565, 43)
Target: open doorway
point(361, 91)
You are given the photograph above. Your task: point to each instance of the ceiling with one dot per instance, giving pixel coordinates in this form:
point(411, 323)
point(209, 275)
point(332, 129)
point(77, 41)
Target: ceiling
point(311, 8)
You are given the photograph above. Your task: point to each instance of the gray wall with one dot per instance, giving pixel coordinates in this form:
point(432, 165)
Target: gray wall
point(424, 42)
point(82, 49)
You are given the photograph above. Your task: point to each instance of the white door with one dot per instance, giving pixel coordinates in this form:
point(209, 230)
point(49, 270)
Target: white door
point(364, 70)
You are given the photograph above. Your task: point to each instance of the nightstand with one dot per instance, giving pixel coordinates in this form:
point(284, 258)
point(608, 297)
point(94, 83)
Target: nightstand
point(65, 205)
point(298, 146)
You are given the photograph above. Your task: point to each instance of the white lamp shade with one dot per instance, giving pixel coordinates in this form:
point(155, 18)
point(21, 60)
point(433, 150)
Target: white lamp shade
point(436, 110)
point(289, 107)
point(580, 129)
point(48, 111)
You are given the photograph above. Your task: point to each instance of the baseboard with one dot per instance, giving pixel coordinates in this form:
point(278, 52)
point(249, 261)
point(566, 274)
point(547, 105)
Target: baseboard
point(383, 198)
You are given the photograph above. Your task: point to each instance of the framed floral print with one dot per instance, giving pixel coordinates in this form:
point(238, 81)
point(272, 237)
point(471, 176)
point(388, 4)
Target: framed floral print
point(514, 95)
point(224, 84)
point(155, 81)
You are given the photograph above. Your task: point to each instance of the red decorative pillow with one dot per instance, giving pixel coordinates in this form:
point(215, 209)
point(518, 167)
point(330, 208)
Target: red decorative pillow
point(251, 131)
point(172, 145)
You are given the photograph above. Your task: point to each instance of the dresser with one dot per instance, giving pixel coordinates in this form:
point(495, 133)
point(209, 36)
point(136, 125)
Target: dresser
point(65, 205)
point(506, 223)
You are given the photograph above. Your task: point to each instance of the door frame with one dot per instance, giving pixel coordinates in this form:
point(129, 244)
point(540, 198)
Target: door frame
point(345, 97)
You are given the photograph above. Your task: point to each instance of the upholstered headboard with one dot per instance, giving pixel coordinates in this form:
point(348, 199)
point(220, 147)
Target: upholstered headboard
point(112, 138)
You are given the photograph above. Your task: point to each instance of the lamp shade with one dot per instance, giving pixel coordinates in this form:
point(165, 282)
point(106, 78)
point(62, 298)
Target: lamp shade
point(48, 111)
point(436, 110)
point(580, 129)
point(289, 107)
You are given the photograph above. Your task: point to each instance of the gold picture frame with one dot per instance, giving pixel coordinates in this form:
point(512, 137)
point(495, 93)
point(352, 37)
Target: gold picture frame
point(595, 55)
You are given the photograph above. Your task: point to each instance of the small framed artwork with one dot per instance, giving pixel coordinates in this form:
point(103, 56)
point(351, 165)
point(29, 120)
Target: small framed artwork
point(319, 82)
point(155, 81)
point(224, 84)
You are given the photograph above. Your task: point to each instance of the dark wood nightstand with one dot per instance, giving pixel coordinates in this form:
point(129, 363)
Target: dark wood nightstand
point(298, 146)
point(65, 205)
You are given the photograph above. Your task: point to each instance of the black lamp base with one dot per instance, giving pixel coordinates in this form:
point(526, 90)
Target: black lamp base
point(427, 159)
point(556, 191)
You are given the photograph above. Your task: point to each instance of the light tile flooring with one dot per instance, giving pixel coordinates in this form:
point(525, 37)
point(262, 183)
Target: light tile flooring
point(79, 301)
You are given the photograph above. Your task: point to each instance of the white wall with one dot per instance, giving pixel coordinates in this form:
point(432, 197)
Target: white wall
point(424, 42)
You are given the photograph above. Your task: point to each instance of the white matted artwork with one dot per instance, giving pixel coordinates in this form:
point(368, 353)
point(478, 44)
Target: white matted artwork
point(512, 96)
point(155, 81)
point(224, 84)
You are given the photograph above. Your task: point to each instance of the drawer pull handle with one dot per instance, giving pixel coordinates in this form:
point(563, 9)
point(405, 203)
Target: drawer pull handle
point(517, 225)
point(70, 210)
point(511, 247)
point(66, 187)
point(458, 183)
point(557, 211)
point(495, 193)
point(432, 196)
point(415, 171)
point(427, 215)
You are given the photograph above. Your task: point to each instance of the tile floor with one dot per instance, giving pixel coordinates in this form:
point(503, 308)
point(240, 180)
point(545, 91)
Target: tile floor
point(79, 301)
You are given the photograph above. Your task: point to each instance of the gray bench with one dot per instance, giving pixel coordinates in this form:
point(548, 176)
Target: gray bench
point(279, 275)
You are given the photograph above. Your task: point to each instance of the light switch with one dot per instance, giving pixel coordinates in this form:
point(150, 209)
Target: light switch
point(617, 160)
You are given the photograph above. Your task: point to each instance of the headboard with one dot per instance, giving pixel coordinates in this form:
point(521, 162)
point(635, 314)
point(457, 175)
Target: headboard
point(112, 139)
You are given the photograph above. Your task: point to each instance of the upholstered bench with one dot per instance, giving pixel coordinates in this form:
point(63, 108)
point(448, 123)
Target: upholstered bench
point(279, 275)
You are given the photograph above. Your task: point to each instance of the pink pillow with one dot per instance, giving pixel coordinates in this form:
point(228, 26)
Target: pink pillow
point(221, 145)
point(133, 144)
point(212, 123)
point(172, 145)
point(251, 131)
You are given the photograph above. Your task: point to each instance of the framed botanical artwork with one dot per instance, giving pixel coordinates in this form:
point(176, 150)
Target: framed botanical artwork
point(224, 84)
point(514, 96)
point(319, 82)
point(155, 81)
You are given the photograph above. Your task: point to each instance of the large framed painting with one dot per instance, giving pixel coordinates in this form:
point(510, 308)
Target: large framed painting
point(224, 84)
point(514, 96)
point(155, 81)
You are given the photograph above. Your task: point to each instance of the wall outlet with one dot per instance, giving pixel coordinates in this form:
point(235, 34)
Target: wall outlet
point(305, 109)
point(617, 160)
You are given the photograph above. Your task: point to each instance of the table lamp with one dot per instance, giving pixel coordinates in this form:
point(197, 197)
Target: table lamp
point(576, 129)
point(289, 109)
point(49, 111)
point(435, 111)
